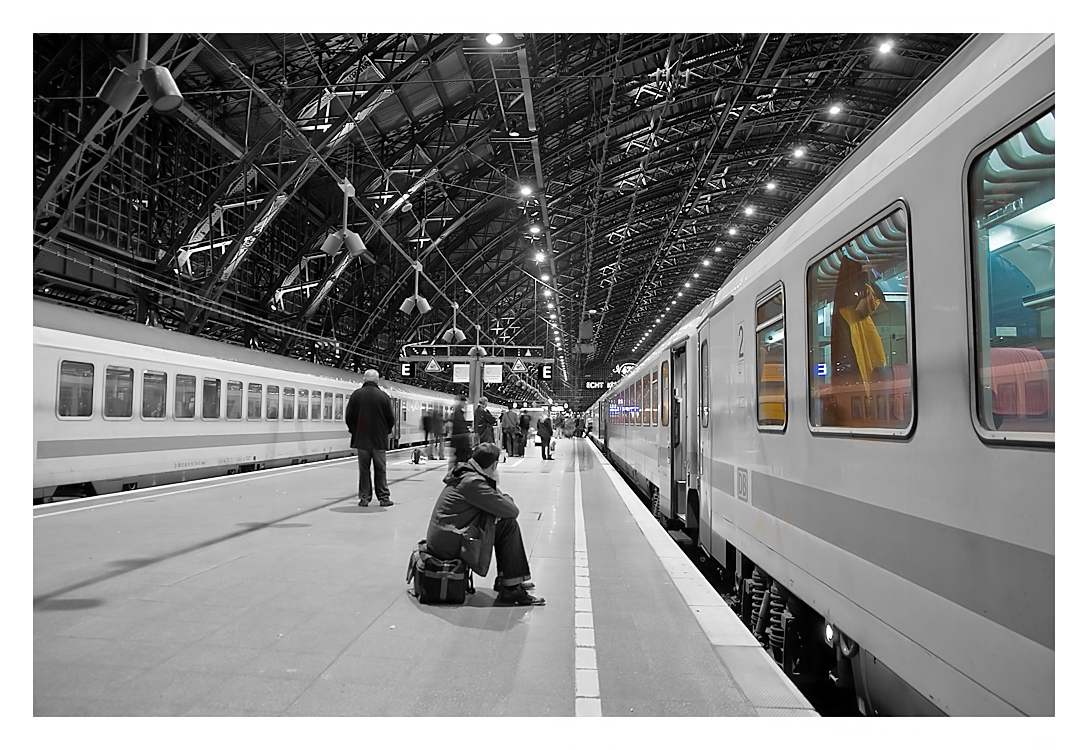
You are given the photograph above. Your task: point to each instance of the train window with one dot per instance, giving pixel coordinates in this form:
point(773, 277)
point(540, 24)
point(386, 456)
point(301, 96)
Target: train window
point(210, 401)
point(646, 401)
point(75, 389)
point(253, 401)
point(666, 394)
point(272, 402)
point(771, 359)
point(328, 405)
point(859, 335)
point(656, 394)
point(154, 395)
point(184, 396)
point(704, 383)
point(118, 401)
point(1012, 215)
point(303, 403)
point(315, 406)
point(340, 407)
point(234, 399)
point(288, 403)
point(637, 406)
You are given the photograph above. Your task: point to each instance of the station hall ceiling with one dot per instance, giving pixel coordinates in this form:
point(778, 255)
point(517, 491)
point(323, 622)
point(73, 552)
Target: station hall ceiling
point(559, 189)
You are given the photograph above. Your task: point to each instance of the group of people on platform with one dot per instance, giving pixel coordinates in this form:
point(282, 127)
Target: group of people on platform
point(471, 483)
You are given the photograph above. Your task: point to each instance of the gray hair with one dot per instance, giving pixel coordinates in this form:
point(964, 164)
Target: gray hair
point(370, 376)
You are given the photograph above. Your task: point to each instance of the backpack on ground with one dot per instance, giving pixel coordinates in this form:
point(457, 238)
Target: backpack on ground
point(437, 581)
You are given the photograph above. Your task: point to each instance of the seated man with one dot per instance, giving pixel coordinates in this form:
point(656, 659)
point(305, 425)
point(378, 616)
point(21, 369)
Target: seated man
point(471, 506)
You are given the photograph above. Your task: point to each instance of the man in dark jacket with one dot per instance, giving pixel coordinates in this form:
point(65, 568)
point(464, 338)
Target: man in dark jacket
point(470, 506)
point(484, 422)
point(524, 422)
point(369, 417)
point(544, 431)
point(509, 427)
point(460, 440)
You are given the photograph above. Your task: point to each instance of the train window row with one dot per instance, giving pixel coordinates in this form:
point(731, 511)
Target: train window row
point(859, 316)
point(75, 397)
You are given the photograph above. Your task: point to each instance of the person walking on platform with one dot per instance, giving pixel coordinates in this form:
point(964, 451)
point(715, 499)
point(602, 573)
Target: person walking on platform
point(484, 423)
point(509, 427)
point(438, 434)
point(471, 506)
point(524, 422)
point(428, 426)
point(369, 417)
point(544, 430)
point(460, 440)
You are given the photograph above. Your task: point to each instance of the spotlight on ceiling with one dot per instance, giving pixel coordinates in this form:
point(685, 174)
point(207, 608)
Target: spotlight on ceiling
point(160, 87)
point(414, 301)
point(354, 243)
point(493, 39)
point(332, 243)
point(456, 335)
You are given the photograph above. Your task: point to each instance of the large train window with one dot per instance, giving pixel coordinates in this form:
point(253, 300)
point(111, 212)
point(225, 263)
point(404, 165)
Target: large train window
point(637, 408)
point(154, 397)
point(303, 403)
point(234, 399)
point(1012, 218)
point(654, 402)
point(272, 402)
point(184, 396)
point(340, 408)
point(210, 401)
point(704, 383)
point(253, 401)
point(859, 332)
point(328, 405)
point(288, 403)
point(646, 400)
point(315, 406)
point(666, 394)
point(771, 359)
point(118, 395)
point(75, 389)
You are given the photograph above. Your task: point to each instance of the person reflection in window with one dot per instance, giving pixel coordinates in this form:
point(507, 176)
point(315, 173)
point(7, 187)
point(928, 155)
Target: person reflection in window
point(856, 348)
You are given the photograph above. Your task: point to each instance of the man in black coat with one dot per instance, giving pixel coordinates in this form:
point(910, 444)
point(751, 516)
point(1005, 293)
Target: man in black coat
point(369, 417)
point(460, 439)
point(524, 422)
point(484, 423)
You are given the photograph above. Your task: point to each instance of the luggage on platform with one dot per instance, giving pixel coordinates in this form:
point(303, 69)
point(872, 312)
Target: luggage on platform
point(437, 581)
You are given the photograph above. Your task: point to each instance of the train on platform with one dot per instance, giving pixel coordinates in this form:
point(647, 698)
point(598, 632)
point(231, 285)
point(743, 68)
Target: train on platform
point(120, 406)
point(856, 431)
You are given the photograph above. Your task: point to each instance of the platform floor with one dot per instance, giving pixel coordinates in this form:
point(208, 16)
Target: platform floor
point(273, 593)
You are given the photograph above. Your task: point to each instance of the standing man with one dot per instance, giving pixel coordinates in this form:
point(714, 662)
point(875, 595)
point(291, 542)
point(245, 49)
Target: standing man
point(438, 431)
point(428, 425)
point(509, 427)
point(524, 422)
point(369, 417)
point(544, 430)
point(460, 440)
point(484, 423)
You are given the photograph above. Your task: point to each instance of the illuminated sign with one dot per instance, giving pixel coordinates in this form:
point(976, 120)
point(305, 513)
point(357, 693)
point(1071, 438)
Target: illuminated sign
point(623, 369)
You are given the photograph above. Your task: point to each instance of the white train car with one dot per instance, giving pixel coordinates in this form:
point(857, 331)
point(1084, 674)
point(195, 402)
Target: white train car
point(118, 405)
point(864, 418)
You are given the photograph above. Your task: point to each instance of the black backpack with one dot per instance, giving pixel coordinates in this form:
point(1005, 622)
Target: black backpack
point(437, 581)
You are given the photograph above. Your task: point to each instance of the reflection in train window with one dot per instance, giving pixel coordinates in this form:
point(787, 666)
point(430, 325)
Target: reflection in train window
point(303, 403)
point(184, 397)
point(234, 399)
point(210, 400)
point(859, 335)
point(154, 398)
point(288, 403)
point(75, 389)
point(637, 407)
point(328, 406)
point(253, 402)
point(315, 405)
point(118, 401)
point(771, 360)
point(666, 394)
point(1013, 215)
point(339, 407)
point(653, 405)
point(272, 402)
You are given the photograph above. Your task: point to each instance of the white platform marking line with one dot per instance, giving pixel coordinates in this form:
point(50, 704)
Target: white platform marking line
point(587, 689)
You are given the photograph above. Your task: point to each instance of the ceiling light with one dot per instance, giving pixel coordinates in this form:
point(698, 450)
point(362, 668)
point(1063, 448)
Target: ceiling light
point(679, 294)
point(494, 39)
point(515, 132)
point(553, 316)
point(687, 284)
point(551, 306)
point(835, 109)
point(544, 277)
point(798, 152)
point(534, 229)
point(732, 230)
point(540, 257)
point(547, 292)
point(886, 47)
point(526, 190)
point(696, 275)
point(748, 210)
point(706, 262)
point(770, 186)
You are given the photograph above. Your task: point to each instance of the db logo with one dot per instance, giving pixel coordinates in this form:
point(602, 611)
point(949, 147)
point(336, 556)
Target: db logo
point(742, 484)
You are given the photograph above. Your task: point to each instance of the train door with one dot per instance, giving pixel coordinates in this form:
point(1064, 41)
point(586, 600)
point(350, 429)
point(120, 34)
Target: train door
point(398, 418)
point(677, 387)
point(701, 479)
point(602, 423)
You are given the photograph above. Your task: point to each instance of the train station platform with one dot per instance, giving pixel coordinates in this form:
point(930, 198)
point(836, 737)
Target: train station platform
point(273, 593)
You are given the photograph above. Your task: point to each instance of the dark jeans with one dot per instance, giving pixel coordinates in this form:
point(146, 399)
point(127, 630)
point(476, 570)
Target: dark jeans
point(512, 564)
point(508, 442)
point(545, 448)
point(381, 489)
point(462, 448)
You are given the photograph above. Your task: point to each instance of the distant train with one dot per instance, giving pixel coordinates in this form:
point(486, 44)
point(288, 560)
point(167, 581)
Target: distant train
point(118, 405)
point(858, 427)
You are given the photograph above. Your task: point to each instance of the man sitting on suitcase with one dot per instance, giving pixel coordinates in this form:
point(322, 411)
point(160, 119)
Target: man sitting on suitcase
point(471, 517)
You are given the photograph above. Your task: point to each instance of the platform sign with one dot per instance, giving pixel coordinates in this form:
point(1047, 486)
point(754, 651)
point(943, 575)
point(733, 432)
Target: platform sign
point(545, 372)
point(518, 366)
point(433, 366)
point(460, 372)
point(406, 369)
point(492, 373)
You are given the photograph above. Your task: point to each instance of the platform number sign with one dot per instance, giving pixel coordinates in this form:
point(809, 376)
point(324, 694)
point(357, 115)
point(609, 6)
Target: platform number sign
point(545, 372)
point(406, 369)
point(742, 485)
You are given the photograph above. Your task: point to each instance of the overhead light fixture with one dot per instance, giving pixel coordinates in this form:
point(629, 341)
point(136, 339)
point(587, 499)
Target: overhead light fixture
point(732, 230)
point(748, 210)
point(526, 190)
point(493, 39)
point(770, 186)
point(534, 229)
point(416, 300)
point(544, 277)
point(798, 152)
point(547, 292)
point(835, 109)
point(122, 86)
point(454, 334)
point(886, 47)
point(332, 243)
point(706, 261)
point(540, 257)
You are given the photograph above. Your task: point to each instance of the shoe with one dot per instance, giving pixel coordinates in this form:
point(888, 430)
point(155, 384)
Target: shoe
point(518, 597)
point(364, 503)
point(385, 503)
point(524, 584)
